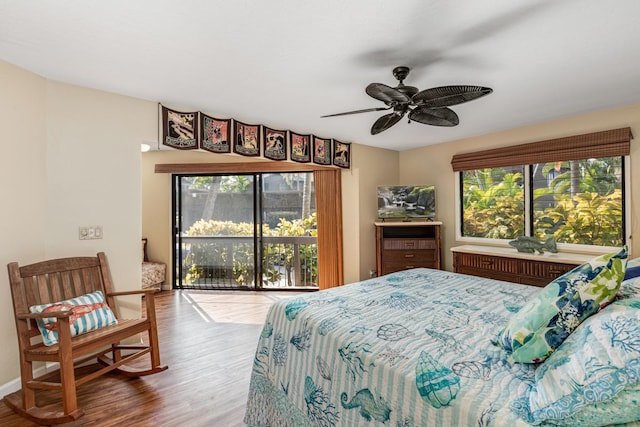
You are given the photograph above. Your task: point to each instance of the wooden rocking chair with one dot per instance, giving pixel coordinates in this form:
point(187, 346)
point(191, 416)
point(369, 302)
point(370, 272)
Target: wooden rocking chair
point(60, 280)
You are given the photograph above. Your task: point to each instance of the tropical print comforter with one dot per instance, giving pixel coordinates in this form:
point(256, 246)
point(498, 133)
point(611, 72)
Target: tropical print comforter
point(412, 348)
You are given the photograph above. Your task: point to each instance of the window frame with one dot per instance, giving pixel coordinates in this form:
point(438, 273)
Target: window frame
point(567, 247)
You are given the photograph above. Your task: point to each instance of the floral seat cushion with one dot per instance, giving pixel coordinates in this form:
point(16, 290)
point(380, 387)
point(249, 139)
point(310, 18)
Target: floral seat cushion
point(153, 274)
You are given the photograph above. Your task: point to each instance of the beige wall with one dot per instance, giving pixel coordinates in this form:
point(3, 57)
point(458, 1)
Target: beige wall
point(370, 167)
point(23, 172)
point(93, 177)
point(71, 158)
point(432, 165)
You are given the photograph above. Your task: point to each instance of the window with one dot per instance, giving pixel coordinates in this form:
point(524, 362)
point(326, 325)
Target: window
point(569, 188)
point(577, 202)
point(253, 230)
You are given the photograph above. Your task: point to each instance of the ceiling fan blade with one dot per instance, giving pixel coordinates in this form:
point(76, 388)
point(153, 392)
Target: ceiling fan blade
point(366, 110)
point(446, 96)
point(434, 116)
point(386, 93)
point(385, 122)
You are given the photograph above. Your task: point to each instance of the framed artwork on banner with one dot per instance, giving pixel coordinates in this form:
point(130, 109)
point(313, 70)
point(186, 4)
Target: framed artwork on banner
point(215, 134)
point(179, 130)
point(246, 140)
point(274, 143)
point(300, 147)
point(321, 151)
point(342, 154)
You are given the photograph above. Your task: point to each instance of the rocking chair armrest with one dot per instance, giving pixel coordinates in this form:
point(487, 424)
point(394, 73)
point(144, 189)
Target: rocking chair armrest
point(58, 314)
point(145, 292)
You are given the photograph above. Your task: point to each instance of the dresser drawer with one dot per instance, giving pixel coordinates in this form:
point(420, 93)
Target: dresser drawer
point(544, 270)
point(541, 273)
point(485, 263)
point(410, 257)
point(389, 266)
point(408, 244)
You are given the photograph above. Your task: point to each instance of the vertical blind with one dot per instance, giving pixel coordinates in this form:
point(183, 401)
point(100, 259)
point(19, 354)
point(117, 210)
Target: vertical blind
point(328, 190)
point(609, 143)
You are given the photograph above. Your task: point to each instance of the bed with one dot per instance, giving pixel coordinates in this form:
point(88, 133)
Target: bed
point(413, 348)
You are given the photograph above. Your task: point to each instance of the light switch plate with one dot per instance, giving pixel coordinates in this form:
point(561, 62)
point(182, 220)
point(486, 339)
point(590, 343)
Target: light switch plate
point(90, 232)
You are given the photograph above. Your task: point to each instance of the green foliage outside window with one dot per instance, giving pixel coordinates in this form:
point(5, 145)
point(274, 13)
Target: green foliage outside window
point(208, 259)
point(588, 219)
point(493, 204)
point(587, 203)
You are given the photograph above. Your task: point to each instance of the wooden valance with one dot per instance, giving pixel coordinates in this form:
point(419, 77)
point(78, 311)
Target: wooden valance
point(609, 143)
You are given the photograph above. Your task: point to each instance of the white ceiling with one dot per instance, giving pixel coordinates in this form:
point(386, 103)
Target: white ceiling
point(284, 63)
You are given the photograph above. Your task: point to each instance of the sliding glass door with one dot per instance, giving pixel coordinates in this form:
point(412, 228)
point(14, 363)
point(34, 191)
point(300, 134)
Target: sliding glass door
point(245, 231)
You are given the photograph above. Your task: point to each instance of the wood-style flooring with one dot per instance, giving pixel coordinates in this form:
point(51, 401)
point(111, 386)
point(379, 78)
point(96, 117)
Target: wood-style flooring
point(208, 339)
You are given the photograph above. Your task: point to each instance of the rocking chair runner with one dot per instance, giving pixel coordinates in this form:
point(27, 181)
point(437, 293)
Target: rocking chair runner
point(62, 279)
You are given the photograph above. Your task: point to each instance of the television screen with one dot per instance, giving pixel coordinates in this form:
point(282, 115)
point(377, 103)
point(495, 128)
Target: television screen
point(406, 201)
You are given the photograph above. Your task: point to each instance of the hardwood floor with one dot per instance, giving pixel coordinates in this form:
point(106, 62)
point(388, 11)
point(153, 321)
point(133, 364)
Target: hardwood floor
point(208, 339)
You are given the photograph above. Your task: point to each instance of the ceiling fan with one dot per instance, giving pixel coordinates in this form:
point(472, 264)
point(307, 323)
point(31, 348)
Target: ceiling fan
point(429, 106)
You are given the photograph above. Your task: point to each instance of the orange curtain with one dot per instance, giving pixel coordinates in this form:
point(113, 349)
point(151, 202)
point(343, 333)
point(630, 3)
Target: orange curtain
point(328, 189)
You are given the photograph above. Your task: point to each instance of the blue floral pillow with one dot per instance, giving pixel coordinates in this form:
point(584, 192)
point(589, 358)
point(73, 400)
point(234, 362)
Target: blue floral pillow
point(89, 312)
point(630, 286)
point(633, 269)
point(535, 331)
point(593, 378)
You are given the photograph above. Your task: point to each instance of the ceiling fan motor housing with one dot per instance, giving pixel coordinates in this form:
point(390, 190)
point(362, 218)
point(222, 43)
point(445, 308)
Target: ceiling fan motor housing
point(401, 73)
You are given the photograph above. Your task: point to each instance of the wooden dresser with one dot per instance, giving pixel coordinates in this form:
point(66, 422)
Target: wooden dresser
point(405, 245)
point(510, 265)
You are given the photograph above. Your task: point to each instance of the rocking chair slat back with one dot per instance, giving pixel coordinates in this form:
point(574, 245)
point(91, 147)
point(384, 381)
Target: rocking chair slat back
point(56, 280)
point(50, 281)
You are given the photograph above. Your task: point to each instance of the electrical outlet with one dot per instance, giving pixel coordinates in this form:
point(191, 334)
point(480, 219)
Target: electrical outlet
point(90, 232)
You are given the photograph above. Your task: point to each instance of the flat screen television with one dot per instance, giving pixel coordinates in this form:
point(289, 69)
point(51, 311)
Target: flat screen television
point(406, 201)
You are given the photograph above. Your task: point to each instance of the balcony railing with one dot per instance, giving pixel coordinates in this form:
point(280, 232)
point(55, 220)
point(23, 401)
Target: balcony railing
point(227, 262)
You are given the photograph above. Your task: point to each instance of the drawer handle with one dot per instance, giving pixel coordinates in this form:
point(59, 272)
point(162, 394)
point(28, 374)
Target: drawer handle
point(409, 255)
point(409, 244)
point(409, 266)
point(487, 262)
point(553, 271)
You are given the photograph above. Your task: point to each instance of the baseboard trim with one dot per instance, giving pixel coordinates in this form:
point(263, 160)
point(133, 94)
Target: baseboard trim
point(15, 384)
point(10, 387)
